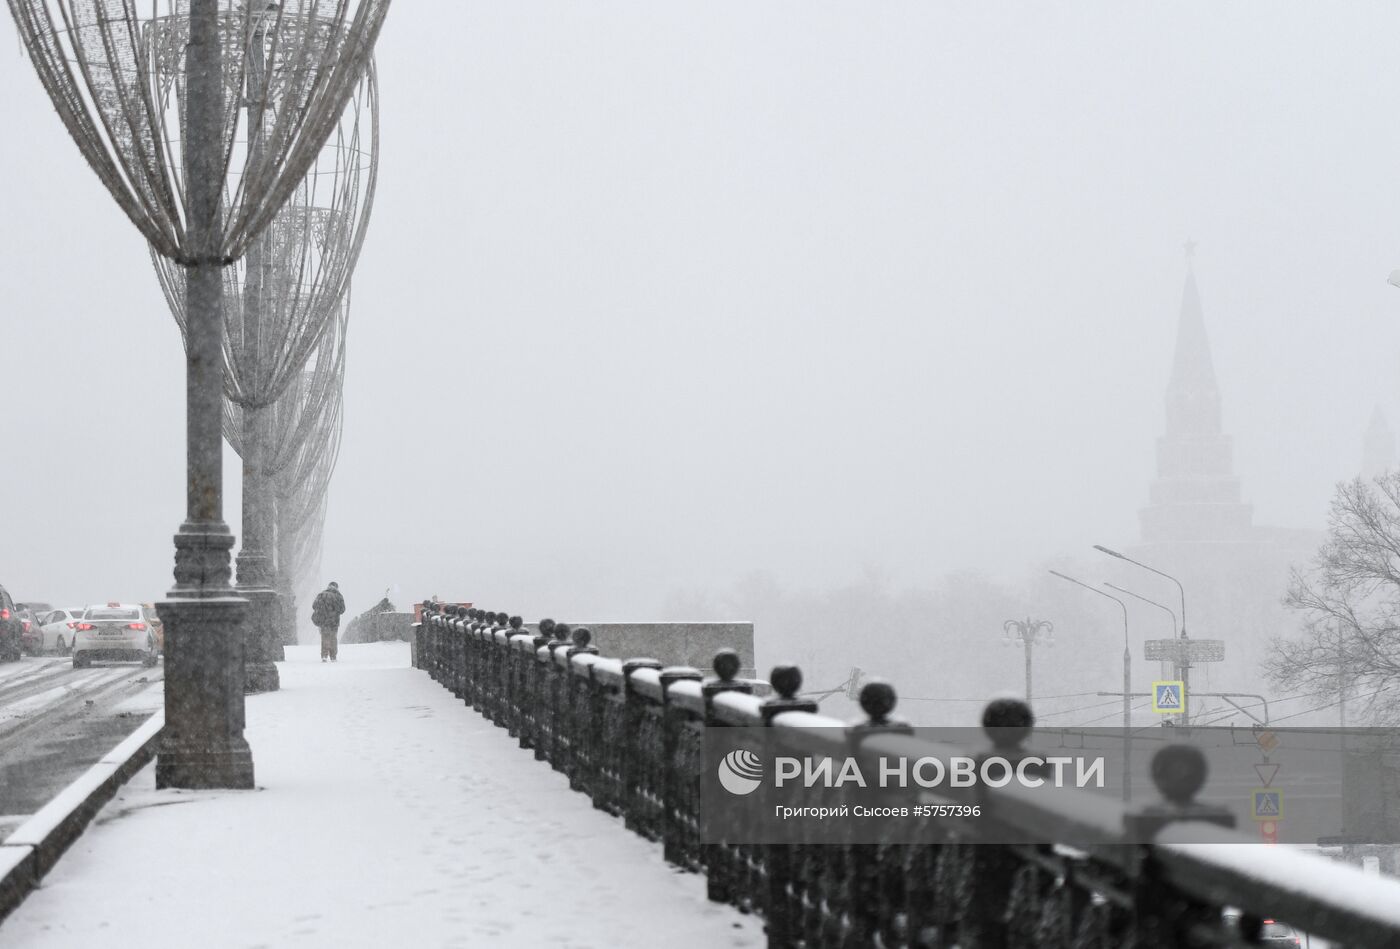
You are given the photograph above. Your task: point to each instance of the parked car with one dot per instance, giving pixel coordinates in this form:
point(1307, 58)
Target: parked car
point(157, 624)
point(11, 628)
point(114, 631)
point(1276, 933)
point(31, 618)
point(31, 636)
point(59, 628)
point(1271, 931)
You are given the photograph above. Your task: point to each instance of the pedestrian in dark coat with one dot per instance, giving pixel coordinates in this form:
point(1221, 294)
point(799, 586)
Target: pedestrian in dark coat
point(325, 613)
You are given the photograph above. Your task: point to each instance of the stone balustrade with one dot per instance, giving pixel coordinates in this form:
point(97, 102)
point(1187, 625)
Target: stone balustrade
point(629, 733)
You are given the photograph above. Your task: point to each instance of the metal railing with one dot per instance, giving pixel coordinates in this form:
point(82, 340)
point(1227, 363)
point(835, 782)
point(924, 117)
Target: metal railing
point(629, 734)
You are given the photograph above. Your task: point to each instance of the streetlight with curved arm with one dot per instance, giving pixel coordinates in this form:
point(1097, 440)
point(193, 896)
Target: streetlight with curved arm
point(1183, 661)
point(1127, 680)
point(1138, 563)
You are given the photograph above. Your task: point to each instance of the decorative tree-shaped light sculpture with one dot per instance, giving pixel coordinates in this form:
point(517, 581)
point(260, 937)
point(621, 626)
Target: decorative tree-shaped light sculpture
point(293, 421)
point(153, 93)
point(278, 300)
point(305, 554)
point(302, 491)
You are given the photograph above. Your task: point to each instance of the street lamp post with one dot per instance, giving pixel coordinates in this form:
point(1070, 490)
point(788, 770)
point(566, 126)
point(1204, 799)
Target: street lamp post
point(1183, 662)
point(1127, 683)
point(146, 97)
point(203, 744)
point(1027, 634)
point(1139, 596)
point(254, 563)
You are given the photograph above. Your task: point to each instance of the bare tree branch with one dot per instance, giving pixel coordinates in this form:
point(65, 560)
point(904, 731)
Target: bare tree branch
point(1350, 601)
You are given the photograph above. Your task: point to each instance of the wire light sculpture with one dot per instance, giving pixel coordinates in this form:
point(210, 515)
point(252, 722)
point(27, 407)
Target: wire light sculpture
point(299, 413)
point(302, 488)
point(287, 290)
point(304, 557)
point(154, 92)
point(278, 300)
point(297, 420)
point(116, 72)
point(305, 528)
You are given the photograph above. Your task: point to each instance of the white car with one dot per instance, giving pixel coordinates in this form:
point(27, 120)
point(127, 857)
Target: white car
point(59, 628)
point(114, 631)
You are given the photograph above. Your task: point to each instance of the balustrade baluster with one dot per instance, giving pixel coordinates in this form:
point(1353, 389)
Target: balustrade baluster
point(511, 659)
point(578, 719)
point(533, 687)
point(720, 859)
point(459, 653)
point(681, 740)
point(877, 911)
point(557, 715)
point(782, 900)
point(637, 748)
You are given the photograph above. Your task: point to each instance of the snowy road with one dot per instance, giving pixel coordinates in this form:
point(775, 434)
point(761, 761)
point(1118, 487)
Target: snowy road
point(55, 721)
point(386, 814)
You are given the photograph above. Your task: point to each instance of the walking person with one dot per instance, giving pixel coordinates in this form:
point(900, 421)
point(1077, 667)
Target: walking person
point(325, 613)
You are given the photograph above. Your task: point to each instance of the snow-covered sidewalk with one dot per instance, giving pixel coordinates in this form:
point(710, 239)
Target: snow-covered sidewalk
point(387, 814)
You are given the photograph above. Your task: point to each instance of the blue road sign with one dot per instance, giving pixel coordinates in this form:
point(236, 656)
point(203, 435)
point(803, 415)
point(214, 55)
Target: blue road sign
point(1266, 804)
point(1168, 696)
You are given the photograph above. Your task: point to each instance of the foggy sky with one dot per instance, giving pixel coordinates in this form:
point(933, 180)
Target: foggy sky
point(679, 292)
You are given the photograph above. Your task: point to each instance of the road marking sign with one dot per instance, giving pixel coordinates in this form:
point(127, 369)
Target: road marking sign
point(1266, 772)
point(1266, 804)
point(1169, 696)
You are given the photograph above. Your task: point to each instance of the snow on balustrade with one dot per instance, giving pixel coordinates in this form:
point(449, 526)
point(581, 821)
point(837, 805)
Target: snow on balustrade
point(634, 737)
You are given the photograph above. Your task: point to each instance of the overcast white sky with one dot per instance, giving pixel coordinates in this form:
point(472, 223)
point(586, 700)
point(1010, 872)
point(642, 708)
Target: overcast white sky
point(683, 290)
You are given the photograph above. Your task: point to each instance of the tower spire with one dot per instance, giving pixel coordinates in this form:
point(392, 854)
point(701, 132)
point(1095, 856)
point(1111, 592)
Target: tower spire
point(1196, 497)
point(1193, 398)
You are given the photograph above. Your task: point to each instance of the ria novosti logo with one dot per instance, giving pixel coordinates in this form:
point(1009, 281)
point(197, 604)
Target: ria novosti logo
point(740, 772)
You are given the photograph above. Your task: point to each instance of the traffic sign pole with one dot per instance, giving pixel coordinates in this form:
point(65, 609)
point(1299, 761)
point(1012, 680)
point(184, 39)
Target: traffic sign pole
point(1184, 674)
point(1184, 654)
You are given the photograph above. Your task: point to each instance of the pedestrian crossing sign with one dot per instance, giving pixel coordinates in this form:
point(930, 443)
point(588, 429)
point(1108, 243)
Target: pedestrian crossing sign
point(1169, 696)
point(1266, 804)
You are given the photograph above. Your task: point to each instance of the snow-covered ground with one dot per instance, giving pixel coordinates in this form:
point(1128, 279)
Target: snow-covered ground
point(386, 814)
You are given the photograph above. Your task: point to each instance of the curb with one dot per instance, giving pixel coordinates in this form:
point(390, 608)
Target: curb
point(35, 846)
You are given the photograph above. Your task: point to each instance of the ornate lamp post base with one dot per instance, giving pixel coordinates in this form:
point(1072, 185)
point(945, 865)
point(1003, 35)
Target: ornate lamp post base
point(203, 745)
point(264, 648)
point(198, 768)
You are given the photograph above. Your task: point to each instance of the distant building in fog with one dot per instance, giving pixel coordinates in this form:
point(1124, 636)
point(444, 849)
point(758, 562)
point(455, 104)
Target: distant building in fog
point(1196, 497)
point(1197, 527)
